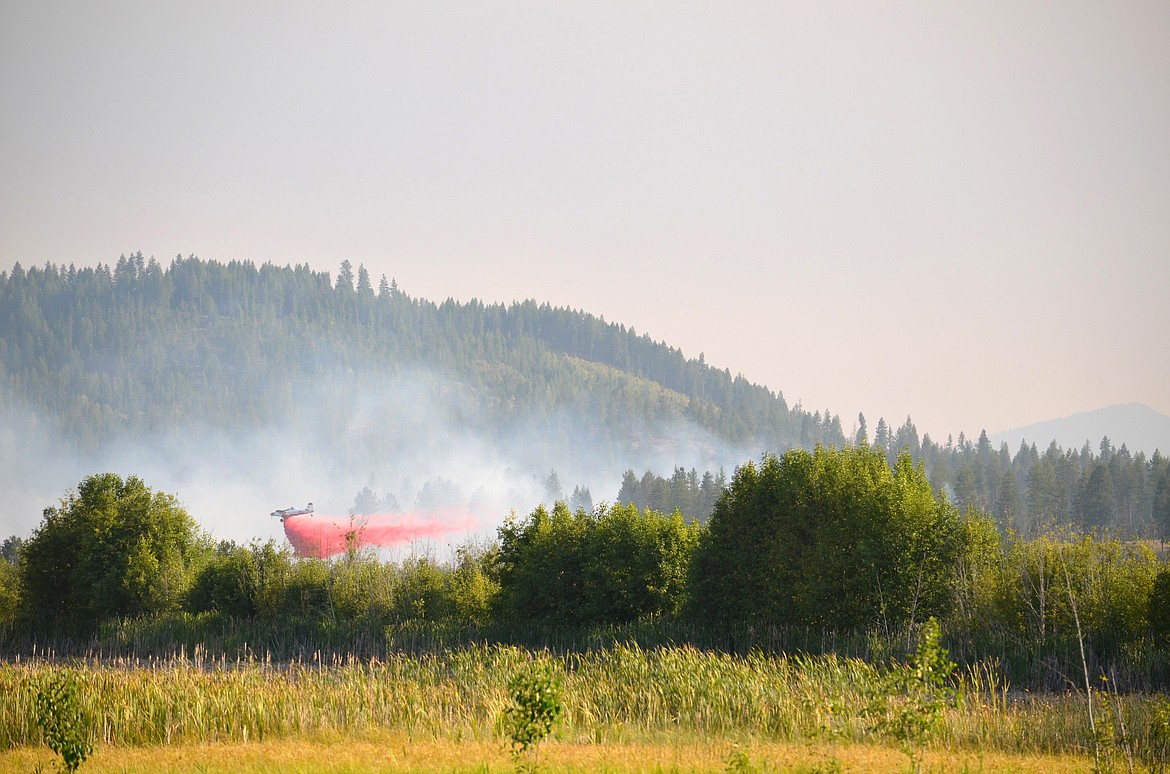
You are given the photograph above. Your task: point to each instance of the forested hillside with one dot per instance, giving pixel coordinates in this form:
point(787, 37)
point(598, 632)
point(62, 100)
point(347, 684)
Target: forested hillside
point(105, 355)
point(139, 345)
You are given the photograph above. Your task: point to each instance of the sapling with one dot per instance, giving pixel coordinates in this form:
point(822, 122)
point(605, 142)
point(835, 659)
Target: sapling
point(536, 706)
point(920, 692)
point(61, 719)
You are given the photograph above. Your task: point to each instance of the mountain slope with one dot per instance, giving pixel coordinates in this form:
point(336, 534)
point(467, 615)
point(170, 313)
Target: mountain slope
point(1137, 426)
point(143, 348)
point(278, 384)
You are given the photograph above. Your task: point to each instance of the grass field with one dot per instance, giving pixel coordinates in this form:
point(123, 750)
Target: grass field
point(391, 752)
point(625, 709)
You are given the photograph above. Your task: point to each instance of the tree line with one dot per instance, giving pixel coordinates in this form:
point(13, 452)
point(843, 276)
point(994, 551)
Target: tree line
point(1107, 488)
point(829, 540)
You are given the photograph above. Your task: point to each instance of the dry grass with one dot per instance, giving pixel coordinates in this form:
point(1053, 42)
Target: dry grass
point(625, 709)
point(396, 753)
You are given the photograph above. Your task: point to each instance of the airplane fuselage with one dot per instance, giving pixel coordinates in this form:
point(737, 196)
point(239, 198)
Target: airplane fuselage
point(284, 513)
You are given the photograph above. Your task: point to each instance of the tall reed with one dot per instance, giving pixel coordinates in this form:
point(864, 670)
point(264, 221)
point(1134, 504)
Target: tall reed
point(619, 693)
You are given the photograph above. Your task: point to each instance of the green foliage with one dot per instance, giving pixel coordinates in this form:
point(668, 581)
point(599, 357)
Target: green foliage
point(541, 565)
point(1106, 745)
point(261, 581)
point(10, 594)
point(473, 584)
point(977, 573)
point(635, 564)
point(10, 549)
point(63, 724)
point(535, 707)
point(738, 762)
point(307, 591)
point(112, 548)
point(612, 566)
point(360, 587)
point(830, 538)
point(1155, 754)
point(423, 593)
point(1158, 610)
point(228, 584)
point(915, 697)
point(1112, 584)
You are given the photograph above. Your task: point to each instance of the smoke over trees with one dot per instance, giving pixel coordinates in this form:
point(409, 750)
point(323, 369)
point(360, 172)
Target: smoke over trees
point(264, 379)
point(308, 366)
point(214, 357)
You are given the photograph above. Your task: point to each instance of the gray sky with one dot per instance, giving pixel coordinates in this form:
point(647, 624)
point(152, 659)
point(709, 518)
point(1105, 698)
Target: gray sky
point(957, 211)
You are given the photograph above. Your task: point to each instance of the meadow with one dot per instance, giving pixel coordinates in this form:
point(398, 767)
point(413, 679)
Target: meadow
point(625, 708)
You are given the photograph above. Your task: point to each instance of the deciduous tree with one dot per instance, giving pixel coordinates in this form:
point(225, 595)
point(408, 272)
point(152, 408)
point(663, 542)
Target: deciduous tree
point(832, 538)
point(111, 548)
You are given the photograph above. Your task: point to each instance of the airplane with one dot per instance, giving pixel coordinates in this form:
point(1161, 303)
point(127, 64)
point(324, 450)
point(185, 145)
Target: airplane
point(284, 513)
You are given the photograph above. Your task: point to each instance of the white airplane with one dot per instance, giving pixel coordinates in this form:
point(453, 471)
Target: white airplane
point(284, 513)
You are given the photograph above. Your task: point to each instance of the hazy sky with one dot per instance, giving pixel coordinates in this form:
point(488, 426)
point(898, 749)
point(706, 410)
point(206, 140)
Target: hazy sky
point(957, 211)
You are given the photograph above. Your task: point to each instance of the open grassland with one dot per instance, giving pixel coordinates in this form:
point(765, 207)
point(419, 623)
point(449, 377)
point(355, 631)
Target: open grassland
point(625, 709)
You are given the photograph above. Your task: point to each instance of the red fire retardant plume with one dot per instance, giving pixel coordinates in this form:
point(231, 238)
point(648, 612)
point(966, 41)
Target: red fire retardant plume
point(325, 536)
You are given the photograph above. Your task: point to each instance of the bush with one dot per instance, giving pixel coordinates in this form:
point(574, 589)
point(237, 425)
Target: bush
point(112, 548)
point(1158, 608)
point(10, 596)
point(613, 566)
point(228, 585)
point(833, 538)
point(62, 722)
point(916, 695)
point(535, 708)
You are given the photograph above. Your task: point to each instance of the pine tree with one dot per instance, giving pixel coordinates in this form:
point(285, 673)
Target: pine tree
point(1162, 505)
point(881, 437)
point(631, 491)
point(552, 488)
point(581, 500)
point(363, 284)
point(345, 277)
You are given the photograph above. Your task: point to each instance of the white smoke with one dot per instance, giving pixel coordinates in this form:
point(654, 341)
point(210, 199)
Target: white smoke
point(392, 432)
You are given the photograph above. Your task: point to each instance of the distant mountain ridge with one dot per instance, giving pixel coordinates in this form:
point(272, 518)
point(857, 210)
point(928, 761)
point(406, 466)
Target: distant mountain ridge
point(1137, 426)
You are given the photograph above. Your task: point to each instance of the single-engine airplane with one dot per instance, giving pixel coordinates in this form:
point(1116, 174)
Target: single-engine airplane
point(284, 513)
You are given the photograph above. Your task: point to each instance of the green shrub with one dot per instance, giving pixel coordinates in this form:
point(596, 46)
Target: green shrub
point(916, 695)
point(535, 708)
point(61, 719)
point(1158, 607)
